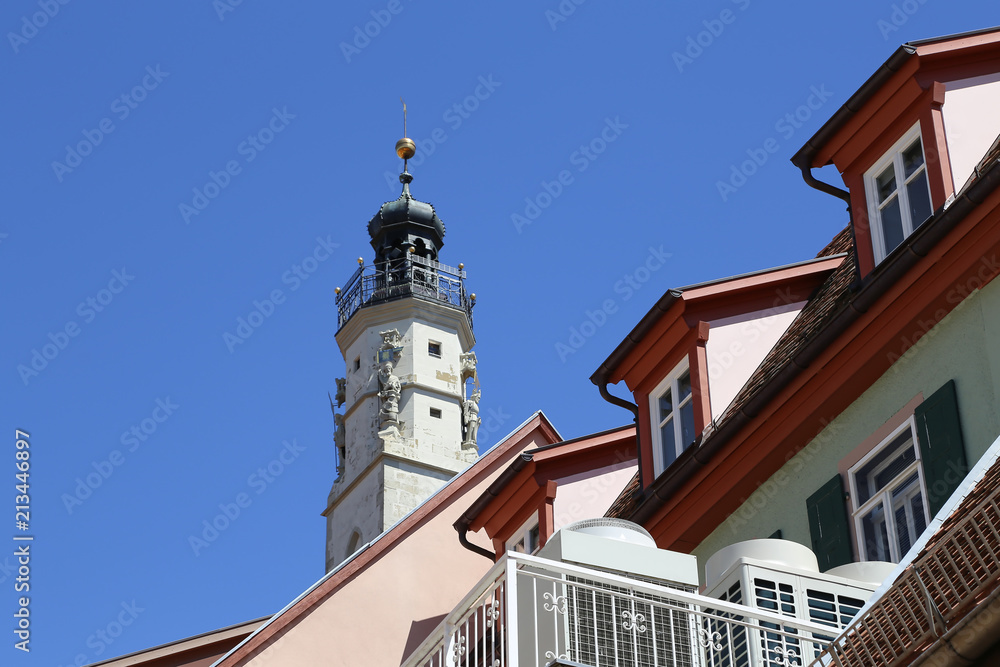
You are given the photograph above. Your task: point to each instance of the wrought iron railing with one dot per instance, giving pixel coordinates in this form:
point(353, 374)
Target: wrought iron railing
point(531, 612)
point(410, 276)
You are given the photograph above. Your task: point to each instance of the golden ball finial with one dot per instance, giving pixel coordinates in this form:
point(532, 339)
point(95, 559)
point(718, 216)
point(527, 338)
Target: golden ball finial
point(473, 295)
point(461, 265)
point(336, 290)
point(412, 250)
point(361, 261)
point(405, 148)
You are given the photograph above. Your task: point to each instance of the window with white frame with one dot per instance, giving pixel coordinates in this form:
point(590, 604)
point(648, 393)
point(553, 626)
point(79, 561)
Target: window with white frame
point(898, 194)
point(889, 497)
point(671, 406)
point(525, 539)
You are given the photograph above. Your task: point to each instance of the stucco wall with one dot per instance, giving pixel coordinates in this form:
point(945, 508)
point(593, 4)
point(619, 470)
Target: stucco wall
point(590, 494)
point(964, 346)
point(971, 122)
point(737, 345)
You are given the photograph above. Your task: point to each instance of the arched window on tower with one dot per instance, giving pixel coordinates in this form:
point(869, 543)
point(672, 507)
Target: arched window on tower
point(353, 543)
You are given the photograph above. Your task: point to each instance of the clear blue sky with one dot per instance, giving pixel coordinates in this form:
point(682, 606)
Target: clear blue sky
point(116, 112)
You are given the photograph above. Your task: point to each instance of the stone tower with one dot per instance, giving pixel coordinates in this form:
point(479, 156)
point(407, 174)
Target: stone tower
point(408, 405)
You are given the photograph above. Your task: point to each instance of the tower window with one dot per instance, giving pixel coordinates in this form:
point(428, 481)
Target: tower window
point(434, 349)
point(357, 364)
point(436, 413)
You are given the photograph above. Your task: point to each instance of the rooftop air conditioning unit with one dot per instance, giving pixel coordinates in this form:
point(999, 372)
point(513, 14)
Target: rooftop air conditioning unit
point(783, 577)
point(603, 623)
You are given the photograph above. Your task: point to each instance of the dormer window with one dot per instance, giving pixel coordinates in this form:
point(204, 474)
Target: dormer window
point(898, 194)
point(672, 411)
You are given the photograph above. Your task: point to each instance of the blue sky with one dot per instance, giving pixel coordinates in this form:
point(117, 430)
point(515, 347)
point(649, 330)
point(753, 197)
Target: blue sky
point(167, 165)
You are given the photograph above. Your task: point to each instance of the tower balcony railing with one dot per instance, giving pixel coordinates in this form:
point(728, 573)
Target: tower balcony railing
point(411, 276)
point(534, 612)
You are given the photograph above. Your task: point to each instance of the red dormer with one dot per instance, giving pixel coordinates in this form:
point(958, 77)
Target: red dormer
point(910, 137)
point(692, 353)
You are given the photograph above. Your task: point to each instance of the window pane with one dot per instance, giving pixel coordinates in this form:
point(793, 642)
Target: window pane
point(906, 520)
point(919, 519)
point(667, 440)
point(894, 464)
point(884, 466)
point(885, 183)
point(876, 539)
point(687, 424)
point(684, 387)
point(892, 225)
point(666, 406)
point(913, 158)
point(920, 199)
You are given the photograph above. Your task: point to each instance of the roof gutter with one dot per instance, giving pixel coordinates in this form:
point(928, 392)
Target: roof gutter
point(463, 523)
point(805, 155)
point(968, 640)
point(915, 247)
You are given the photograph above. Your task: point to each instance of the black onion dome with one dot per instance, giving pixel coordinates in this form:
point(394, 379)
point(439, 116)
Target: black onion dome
point(406, 223)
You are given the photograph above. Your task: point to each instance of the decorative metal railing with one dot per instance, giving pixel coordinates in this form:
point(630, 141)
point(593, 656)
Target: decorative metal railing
point(532, 612)
point(410, 276)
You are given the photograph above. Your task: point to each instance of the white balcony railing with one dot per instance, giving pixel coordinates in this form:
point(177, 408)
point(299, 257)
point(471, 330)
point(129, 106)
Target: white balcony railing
point(532, 612)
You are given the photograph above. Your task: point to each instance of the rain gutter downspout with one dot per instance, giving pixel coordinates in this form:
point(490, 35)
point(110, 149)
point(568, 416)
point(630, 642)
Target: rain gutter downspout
point(839, 193)
point(803, 159)
point(602, 387)
point(462, 525)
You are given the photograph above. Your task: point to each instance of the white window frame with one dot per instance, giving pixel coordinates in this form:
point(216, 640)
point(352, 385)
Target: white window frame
point(885, 495)
point(669, 382)
point(430, 345)
point(894, 156)
point(526, 537)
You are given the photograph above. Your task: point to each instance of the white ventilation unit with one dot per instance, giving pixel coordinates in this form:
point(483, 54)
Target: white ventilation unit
point(783, 577)
point(604, 624)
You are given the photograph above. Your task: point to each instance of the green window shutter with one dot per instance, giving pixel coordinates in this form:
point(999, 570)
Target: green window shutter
point(831, 537)
point(939, 435)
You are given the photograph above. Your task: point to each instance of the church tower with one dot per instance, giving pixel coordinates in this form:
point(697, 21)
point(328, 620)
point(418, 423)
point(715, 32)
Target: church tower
point(406, 414)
